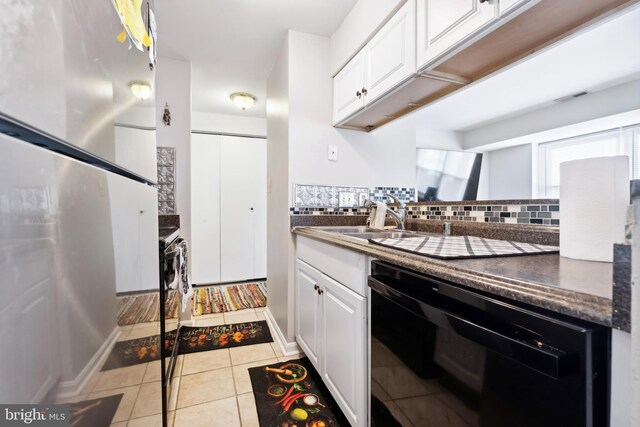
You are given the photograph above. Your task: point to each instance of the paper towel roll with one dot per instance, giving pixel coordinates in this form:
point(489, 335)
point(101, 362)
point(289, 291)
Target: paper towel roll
point(594, 196)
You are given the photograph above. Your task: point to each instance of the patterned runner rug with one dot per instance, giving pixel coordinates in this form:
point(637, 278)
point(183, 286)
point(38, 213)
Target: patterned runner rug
point(145, 308)
point(192, 339)
point(207, 300)
point(224, 298)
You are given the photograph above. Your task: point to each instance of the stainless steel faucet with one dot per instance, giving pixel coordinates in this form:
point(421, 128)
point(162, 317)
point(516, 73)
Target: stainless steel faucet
point(398, 216)
point(401, 214)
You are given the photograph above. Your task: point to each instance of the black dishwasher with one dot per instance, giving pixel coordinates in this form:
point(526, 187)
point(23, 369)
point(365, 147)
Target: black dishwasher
point(443, 355)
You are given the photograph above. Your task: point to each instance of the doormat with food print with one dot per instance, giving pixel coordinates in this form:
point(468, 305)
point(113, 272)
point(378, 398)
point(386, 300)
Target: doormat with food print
point(192, 339)
point(291, 394)
point(94, 412)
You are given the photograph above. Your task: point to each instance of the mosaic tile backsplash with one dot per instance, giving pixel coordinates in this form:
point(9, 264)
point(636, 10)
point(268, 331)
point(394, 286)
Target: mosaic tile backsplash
point(166, 180)
point(538, 214)
point(327, 196)
point(531, 212)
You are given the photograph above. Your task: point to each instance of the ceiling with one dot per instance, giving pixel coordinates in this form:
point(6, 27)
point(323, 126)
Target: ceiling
point(602, 57)
point(232, 45)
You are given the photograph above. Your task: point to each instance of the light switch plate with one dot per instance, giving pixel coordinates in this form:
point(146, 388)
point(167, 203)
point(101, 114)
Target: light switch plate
point(346, 199)
point(332, 153)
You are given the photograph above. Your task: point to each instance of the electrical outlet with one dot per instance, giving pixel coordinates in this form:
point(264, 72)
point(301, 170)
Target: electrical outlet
point(332, 153)
point(346, 199)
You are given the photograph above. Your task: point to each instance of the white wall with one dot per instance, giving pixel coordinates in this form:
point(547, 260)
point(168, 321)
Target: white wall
point(228, 124)
point(438, 139)
point(279, 239)
point(138, 116)
point(385, 156)
point(173, 86)
point(523, 128)
point(136, 151)
point(299, 129)
point(510, 173)
point(365, 18)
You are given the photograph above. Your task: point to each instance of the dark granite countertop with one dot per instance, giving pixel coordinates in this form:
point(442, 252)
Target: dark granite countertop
point(580, 289)
point(165, 232)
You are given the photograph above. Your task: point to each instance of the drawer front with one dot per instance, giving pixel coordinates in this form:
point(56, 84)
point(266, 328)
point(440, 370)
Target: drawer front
point(342, 265)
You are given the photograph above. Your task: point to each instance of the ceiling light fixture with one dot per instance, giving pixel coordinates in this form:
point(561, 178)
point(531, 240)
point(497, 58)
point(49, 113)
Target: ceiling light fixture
point(141, 90)
point(243, 100)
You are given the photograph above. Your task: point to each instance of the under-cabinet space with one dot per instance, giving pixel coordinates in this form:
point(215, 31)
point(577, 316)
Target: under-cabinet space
point(546, 22)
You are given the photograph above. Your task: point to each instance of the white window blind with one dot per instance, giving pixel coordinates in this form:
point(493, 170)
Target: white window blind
point(624, 141)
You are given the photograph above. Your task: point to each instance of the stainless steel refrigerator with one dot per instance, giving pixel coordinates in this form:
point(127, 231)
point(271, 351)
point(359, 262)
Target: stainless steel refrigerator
point(78, 210)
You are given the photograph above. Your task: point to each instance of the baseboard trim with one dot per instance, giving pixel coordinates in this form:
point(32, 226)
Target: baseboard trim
point(288, 348)
point(75, 386)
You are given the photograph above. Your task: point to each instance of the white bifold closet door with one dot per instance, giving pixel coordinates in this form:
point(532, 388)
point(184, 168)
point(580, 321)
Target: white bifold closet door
point(243, 203)
point(205, 208)
point(229, 218)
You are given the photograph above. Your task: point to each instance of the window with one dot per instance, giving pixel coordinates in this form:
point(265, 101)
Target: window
point(624, 141)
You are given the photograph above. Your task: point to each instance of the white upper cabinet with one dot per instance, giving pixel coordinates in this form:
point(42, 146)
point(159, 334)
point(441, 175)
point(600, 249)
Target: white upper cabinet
point(385, 62)
point(508, 6)
point(390, 55)
point(347, 89)
point(443, 24)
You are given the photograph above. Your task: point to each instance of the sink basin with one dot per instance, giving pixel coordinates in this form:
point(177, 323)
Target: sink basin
point(394, 234)
point(363, 232)
point(348, 229)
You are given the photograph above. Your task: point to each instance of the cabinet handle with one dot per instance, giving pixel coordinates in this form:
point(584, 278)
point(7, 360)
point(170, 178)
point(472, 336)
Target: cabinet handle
point(364, 91)
point(251, 208)
point(358, 94)
point(320, 291)
point(484, 1)
point(316, 287)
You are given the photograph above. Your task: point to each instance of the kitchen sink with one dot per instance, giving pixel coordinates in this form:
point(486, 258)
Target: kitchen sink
point(348, 229)
point(363, 232)
point(379, 234)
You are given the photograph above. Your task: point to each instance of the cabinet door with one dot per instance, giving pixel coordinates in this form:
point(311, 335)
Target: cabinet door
point(391, 54)
point(260, 210)
point(29, 316)
point(344, 363)
point(124, 200)
point(242, 167)
point(148, 229)
point(205, 208)
point(308, 310)
point(443, 24)
point(508, 6)
point(347, 89)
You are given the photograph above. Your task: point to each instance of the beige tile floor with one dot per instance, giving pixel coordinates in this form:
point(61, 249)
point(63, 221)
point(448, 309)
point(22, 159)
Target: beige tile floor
point(211, 388)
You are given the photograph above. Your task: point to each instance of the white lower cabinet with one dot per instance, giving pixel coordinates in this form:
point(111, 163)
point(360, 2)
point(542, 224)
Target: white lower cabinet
point(343, 342)
point(308, 304)
point(331, 323)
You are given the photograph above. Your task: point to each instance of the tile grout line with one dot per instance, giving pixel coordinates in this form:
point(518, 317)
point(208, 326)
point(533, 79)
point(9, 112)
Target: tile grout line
point(235, 389)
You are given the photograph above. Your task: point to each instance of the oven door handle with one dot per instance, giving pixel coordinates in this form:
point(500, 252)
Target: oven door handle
point(536, 355)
